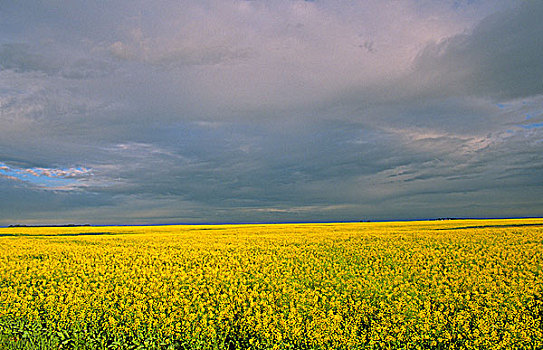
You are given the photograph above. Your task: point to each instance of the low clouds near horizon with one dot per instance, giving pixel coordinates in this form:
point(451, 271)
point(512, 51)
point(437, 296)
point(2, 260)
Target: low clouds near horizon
point(132, 112)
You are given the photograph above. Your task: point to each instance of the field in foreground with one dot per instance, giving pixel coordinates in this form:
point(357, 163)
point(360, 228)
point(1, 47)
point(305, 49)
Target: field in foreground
point(411, 285)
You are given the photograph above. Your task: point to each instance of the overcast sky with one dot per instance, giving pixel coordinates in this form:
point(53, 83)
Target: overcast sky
point(133, 111)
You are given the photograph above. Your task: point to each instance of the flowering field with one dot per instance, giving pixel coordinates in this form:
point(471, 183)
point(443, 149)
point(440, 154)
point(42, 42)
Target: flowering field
point(413, 285)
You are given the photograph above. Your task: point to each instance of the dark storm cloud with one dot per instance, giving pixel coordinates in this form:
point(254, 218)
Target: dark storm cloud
point(137, 112)
point(501, 58)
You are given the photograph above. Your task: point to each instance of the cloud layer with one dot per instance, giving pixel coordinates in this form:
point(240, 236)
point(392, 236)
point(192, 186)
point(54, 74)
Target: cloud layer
point(215, 111)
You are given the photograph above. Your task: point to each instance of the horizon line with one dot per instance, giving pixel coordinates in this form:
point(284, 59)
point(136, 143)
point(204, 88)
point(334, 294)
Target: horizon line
point(270, 222)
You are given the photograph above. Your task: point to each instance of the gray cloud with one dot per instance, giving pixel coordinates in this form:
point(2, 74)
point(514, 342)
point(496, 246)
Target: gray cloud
point(269, 111)
point(18, 57)
point(501, 58)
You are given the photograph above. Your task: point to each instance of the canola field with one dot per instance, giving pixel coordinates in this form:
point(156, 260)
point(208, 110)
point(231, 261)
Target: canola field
point(459, 284)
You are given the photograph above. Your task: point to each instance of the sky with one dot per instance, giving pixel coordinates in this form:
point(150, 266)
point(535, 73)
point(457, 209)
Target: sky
point(147, 112)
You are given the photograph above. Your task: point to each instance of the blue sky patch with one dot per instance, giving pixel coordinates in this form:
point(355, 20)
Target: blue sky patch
point(532, 126)
point(49, 178)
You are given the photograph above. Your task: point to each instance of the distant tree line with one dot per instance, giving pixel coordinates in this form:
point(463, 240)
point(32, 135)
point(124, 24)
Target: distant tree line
point(66, 225)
